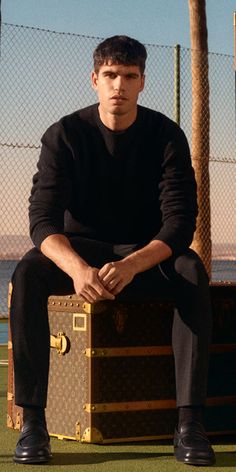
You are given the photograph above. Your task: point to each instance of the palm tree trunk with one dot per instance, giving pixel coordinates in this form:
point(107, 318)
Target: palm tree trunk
point(200, 127)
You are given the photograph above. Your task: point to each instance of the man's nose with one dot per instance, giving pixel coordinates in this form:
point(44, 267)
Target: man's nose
point(119, 84)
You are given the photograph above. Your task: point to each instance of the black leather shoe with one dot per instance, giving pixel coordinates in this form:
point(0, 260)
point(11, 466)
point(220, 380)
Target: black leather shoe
point(192, 446)
point(33, 446)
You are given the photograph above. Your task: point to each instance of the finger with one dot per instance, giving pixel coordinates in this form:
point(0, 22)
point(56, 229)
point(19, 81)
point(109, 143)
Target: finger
point(105, 279)
point(117, 289)
point(113, 274)
point(91, 298)
point(87, 297)
point(98, 287)
point(103, 271)
point(106, 294)
point(112, 284)
point(93, 294)
point(102, 290)
point(106, 269)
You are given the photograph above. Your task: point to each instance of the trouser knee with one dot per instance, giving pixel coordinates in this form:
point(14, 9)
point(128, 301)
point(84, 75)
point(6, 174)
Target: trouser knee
point(191, 269)
point(33, 266)
point(190, 285)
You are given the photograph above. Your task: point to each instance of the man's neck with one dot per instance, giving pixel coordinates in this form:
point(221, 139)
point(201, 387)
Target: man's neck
point(116, 122)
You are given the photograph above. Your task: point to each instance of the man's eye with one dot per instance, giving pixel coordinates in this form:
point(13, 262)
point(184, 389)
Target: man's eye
point(110, 76)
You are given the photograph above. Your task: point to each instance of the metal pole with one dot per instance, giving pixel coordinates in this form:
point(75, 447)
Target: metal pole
point(177, 83)
point(235, 41)
point(235, 63)
point(0, 26)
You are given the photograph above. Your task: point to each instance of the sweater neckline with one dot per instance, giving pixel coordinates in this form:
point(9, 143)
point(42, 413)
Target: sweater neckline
point(109, 131)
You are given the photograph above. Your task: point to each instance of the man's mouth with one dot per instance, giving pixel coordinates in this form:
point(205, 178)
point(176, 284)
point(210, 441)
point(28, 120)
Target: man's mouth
point(118, 98)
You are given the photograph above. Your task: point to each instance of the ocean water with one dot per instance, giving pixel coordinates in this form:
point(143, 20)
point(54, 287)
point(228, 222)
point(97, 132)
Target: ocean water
point(6, 270)
point(3, 332)
point(222, 270)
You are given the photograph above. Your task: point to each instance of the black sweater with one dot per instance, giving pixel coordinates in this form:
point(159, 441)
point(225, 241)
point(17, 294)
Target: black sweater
point(120, 187)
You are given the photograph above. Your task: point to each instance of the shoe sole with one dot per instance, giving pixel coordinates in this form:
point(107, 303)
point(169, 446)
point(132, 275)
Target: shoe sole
point(196, 461)
point(31, 460)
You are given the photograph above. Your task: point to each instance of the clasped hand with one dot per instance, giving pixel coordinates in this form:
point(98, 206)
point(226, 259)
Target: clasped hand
point(101, 284)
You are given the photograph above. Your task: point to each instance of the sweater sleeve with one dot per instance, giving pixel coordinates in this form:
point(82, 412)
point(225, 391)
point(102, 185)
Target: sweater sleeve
point(51, 186)
point(178, 193)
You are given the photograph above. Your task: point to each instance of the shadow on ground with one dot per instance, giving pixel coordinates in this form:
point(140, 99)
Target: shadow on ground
point(81, 458)
point(96, 458)
point(223, 459)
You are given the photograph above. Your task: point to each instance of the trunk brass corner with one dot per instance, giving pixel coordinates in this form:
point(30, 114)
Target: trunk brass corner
point(18, 424)
point(10, 423)
point(92, 435)
point(10, 288)
point(10, 396)
point(94, 308)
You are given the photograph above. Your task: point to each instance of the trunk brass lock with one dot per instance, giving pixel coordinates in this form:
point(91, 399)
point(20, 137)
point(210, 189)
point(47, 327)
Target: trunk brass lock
point(60, 342)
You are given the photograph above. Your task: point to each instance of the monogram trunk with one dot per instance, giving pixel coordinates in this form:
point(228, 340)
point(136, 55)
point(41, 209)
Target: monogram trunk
point(112, 370)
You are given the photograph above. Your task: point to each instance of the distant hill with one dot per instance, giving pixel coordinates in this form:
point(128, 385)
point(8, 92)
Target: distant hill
point(14, 246)
point(224, 251)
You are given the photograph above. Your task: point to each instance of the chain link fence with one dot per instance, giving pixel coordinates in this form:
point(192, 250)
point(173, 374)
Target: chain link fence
point(45, 75)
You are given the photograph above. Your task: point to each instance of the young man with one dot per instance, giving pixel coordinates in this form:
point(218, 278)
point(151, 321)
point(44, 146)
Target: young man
point(112, 214)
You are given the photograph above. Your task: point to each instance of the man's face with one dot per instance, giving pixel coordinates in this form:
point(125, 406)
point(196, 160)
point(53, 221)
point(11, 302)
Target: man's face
point(118, 87)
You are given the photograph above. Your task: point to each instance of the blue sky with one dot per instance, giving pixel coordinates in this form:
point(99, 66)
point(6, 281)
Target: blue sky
point(151, 21)
point(36, 72)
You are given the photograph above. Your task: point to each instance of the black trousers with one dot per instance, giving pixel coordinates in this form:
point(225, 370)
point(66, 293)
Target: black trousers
point(182, 279)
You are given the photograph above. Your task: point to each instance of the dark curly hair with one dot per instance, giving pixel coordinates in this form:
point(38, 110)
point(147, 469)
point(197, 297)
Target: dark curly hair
point(120, 50)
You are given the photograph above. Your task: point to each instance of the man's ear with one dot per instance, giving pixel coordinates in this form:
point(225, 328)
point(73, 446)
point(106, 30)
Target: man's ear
point(142, 82)
point(94, 80)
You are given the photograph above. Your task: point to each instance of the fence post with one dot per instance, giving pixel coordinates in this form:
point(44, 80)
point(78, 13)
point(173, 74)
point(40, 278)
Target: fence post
point(235, 61)
point(235, 41)
point(177, 83)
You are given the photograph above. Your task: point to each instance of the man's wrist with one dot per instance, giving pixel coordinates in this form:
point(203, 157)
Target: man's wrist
point(147, 257)
point(76, 265)
point(133, 263)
